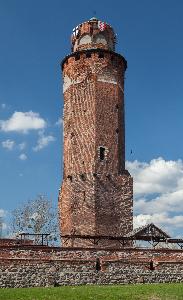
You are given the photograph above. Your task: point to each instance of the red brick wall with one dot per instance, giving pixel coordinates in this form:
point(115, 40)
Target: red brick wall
point(10, 242)
point(90, 29)
point(45, 253)
point(96, 195)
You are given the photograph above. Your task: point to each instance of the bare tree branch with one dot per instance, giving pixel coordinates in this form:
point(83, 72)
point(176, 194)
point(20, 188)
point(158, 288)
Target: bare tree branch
point(36, 216)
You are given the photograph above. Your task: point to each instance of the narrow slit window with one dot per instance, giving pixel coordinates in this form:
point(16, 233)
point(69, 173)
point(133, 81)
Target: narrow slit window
point(98, 265)
point(151, 266)
point(84, 196)
point(77, 57)
point(102, 153)
point(117, 130)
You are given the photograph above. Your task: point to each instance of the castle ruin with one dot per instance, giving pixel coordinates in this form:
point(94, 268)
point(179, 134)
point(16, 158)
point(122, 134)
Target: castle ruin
point(96, 197)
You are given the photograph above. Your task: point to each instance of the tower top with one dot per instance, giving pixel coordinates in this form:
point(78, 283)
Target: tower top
point(93, 34)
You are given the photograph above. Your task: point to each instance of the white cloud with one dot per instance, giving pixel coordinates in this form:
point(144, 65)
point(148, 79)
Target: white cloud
point(8, 144)
point(156, 177)
point(22, 156)
point(171, 202)
point(4, 226)
point(141, 220)
point(2, 213)
point(59, 122)
point(158, 192)
point(159, 219)
point(43, 141)
point(23, 122)
point(22, 146)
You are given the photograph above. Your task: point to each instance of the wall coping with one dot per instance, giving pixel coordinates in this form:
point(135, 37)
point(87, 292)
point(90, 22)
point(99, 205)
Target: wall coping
point(60, 249)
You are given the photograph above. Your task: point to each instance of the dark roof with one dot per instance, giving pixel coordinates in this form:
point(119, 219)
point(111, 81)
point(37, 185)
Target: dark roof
point(93, 19)
point(147, 231)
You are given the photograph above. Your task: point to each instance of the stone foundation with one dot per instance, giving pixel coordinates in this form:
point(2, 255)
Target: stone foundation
point(28, 266)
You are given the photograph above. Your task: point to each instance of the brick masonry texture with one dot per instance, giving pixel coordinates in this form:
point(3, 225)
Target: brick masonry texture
point(96, 197)
point(44, 266)
point(90, 36)
point(10, 242)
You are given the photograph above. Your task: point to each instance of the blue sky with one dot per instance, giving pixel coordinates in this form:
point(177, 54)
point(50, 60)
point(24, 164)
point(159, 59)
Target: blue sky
point(34, 38)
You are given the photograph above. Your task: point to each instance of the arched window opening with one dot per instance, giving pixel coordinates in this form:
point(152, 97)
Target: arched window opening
point(100, 39)
point(85, 39)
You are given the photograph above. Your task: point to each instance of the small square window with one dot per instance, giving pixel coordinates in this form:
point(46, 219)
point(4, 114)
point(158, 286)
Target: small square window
point(88, 54)
point(101, 55)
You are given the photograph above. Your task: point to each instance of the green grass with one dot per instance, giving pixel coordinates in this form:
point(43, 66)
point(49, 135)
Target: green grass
point(117, 292)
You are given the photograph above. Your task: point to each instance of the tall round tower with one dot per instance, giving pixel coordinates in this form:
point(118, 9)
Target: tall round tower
point(96, 197)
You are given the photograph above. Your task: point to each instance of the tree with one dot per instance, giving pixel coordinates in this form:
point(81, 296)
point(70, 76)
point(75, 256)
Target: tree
point(36, 216)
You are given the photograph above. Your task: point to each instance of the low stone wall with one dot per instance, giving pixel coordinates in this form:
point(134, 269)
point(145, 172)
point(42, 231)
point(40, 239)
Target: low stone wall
point(26, 266)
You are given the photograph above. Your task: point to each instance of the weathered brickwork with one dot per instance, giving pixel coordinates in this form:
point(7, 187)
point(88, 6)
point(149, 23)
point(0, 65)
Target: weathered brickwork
point(97, 192)
point(44, 266)
point(90, 36)
point(10, 242)
point(96, 197)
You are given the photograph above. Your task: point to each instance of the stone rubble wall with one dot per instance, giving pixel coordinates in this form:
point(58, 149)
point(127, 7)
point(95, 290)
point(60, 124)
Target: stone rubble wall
point(27, 266)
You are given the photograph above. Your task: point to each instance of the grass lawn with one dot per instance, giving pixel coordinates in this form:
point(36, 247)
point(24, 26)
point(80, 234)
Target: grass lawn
point(117, 292)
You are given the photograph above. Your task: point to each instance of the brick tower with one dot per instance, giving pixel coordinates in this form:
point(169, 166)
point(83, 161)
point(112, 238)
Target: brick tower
point(96, 197)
